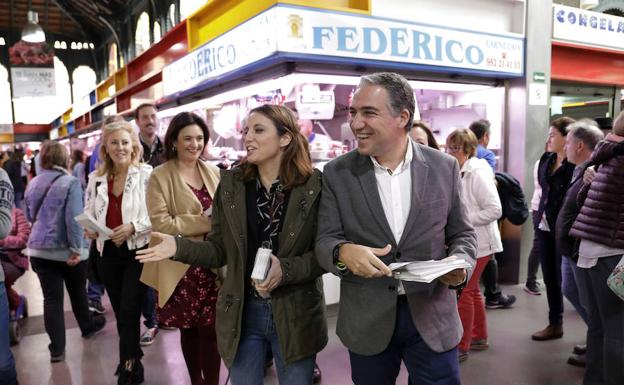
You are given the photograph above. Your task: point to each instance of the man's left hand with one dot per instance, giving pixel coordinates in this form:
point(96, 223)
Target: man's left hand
point(454, 278)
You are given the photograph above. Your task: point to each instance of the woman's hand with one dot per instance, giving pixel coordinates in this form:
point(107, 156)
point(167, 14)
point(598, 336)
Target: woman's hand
point(589, 175)
point(90, 235)
point(121, 233)
point(273, 279)
point(166, 248)
point(73, 260)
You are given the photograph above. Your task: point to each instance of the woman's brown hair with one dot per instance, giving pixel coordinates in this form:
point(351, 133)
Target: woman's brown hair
point(77, 157)
point(53, 154)
point(618, 125)
point(465, 139)
point(296, 164)
point(431, 141)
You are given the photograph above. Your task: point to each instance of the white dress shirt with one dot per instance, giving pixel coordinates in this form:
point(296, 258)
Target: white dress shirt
point(395, 191)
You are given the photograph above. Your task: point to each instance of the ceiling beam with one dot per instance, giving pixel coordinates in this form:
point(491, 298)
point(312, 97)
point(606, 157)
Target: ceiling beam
point(46, 14)
point(88, 36)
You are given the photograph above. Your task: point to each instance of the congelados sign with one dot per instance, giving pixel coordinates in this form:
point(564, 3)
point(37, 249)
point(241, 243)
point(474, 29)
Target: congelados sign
point(290, 29)
point(587, 27)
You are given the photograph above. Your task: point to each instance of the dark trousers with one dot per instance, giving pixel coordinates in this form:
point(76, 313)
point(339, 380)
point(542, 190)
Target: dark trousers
point(550, 259)
point(11, 274)
point(8, 376)
point(148, 308)
point(425, 366)
point(53, 275)
point(534, 259)
point(605, 324)
point(489, 277)
point(199, 347)
point(120, 273)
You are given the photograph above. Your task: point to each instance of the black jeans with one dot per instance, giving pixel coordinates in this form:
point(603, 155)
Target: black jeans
point(550, 259)
point(534, 255)
point(52, 275)
point(120, 273)
point(489, 277)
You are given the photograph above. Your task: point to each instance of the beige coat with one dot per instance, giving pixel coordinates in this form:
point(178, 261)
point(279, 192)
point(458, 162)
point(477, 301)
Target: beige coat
point(174, 209)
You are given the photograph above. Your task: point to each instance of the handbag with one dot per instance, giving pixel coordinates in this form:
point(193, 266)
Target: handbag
point(615, 281)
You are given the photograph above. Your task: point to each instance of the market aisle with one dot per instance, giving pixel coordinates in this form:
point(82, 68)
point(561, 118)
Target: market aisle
point(513, 359)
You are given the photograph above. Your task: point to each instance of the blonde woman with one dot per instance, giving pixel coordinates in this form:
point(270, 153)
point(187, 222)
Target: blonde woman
point(115, 197)
point(179, 201)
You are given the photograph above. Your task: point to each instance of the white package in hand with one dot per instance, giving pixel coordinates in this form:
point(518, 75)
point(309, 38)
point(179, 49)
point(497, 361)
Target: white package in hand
point(261, 264)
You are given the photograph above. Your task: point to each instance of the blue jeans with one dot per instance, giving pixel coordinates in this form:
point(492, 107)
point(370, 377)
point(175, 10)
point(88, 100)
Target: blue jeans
point(95, 291)
point(18, 198)
point(258, 332)
point(569, 286)
point(7, 364)
point(148, 308)
point(425, 367)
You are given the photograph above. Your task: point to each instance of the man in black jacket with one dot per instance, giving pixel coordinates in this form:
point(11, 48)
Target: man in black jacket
point(580, 142)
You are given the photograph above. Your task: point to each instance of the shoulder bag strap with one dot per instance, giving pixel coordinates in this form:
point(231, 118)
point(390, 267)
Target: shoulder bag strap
point(45, 194)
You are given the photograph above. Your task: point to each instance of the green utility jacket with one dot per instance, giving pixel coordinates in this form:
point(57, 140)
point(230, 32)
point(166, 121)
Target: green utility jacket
point(298, 304)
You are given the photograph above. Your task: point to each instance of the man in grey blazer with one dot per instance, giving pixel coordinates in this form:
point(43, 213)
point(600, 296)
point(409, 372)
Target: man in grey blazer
point(393, 201)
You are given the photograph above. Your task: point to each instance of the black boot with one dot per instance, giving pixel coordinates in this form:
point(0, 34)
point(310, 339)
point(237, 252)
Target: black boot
point(131, 372)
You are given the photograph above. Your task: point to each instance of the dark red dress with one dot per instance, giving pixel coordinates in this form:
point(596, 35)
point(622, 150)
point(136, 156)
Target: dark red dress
point(194, 300)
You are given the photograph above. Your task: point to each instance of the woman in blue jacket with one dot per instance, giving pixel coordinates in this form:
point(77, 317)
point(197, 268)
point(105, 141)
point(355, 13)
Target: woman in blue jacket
point(53, 199)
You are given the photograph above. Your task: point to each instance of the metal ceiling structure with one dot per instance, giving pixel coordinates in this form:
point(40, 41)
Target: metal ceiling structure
point(92, 20)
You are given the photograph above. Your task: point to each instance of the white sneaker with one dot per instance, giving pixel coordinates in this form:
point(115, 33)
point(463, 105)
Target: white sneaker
point(148, 337)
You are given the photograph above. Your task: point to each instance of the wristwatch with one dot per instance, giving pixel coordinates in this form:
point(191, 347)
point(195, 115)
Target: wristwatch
point(340, 266)
point(460, 286)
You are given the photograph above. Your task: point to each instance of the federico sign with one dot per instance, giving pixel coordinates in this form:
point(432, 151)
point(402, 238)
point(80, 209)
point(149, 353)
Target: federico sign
point(307, 31)
point(577, 26)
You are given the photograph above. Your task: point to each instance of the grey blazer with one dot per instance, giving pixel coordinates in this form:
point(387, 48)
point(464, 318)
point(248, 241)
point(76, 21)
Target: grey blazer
point(437, 226)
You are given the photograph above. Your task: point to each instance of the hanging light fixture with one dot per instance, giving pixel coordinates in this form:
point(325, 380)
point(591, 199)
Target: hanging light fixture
point(589, 4)
point(32, 31)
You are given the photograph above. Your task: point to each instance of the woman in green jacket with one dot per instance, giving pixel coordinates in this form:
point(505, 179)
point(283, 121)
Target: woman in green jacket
point(269, 201)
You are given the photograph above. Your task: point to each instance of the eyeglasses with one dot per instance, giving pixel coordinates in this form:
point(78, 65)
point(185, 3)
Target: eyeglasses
point(453, 149)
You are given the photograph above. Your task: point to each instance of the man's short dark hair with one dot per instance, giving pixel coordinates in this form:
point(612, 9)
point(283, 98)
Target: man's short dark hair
point(143, 105)
point(480, 128)
point(400, 92)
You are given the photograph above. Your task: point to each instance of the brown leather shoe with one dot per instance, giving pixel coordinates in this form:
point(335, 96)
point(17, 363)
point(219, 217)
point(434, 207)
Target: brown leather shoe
point(577, 360)
point(551, 332)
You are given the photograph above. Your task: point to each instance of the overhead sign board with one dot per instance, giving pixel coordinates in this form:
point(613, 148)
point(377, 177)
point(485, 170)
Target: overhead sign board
point(588, 28)
point(245, 44)
point(32, 69)
point(319, 32)
point(308, 31)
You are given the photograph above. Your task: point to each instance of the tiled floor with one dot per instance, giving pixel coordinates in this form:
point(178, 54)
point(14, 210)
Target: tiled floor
point(513, 359)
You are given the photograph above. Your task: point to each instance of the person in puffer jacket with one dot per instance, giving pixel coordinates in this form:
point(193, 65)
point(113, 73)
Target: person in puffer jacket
point(600, 226)
point(14, 262)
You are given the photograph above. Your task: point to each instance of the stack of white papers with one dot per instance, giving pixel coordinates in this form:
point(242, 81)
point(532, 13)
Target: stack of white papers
point(427, 271)
point(89, 223)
